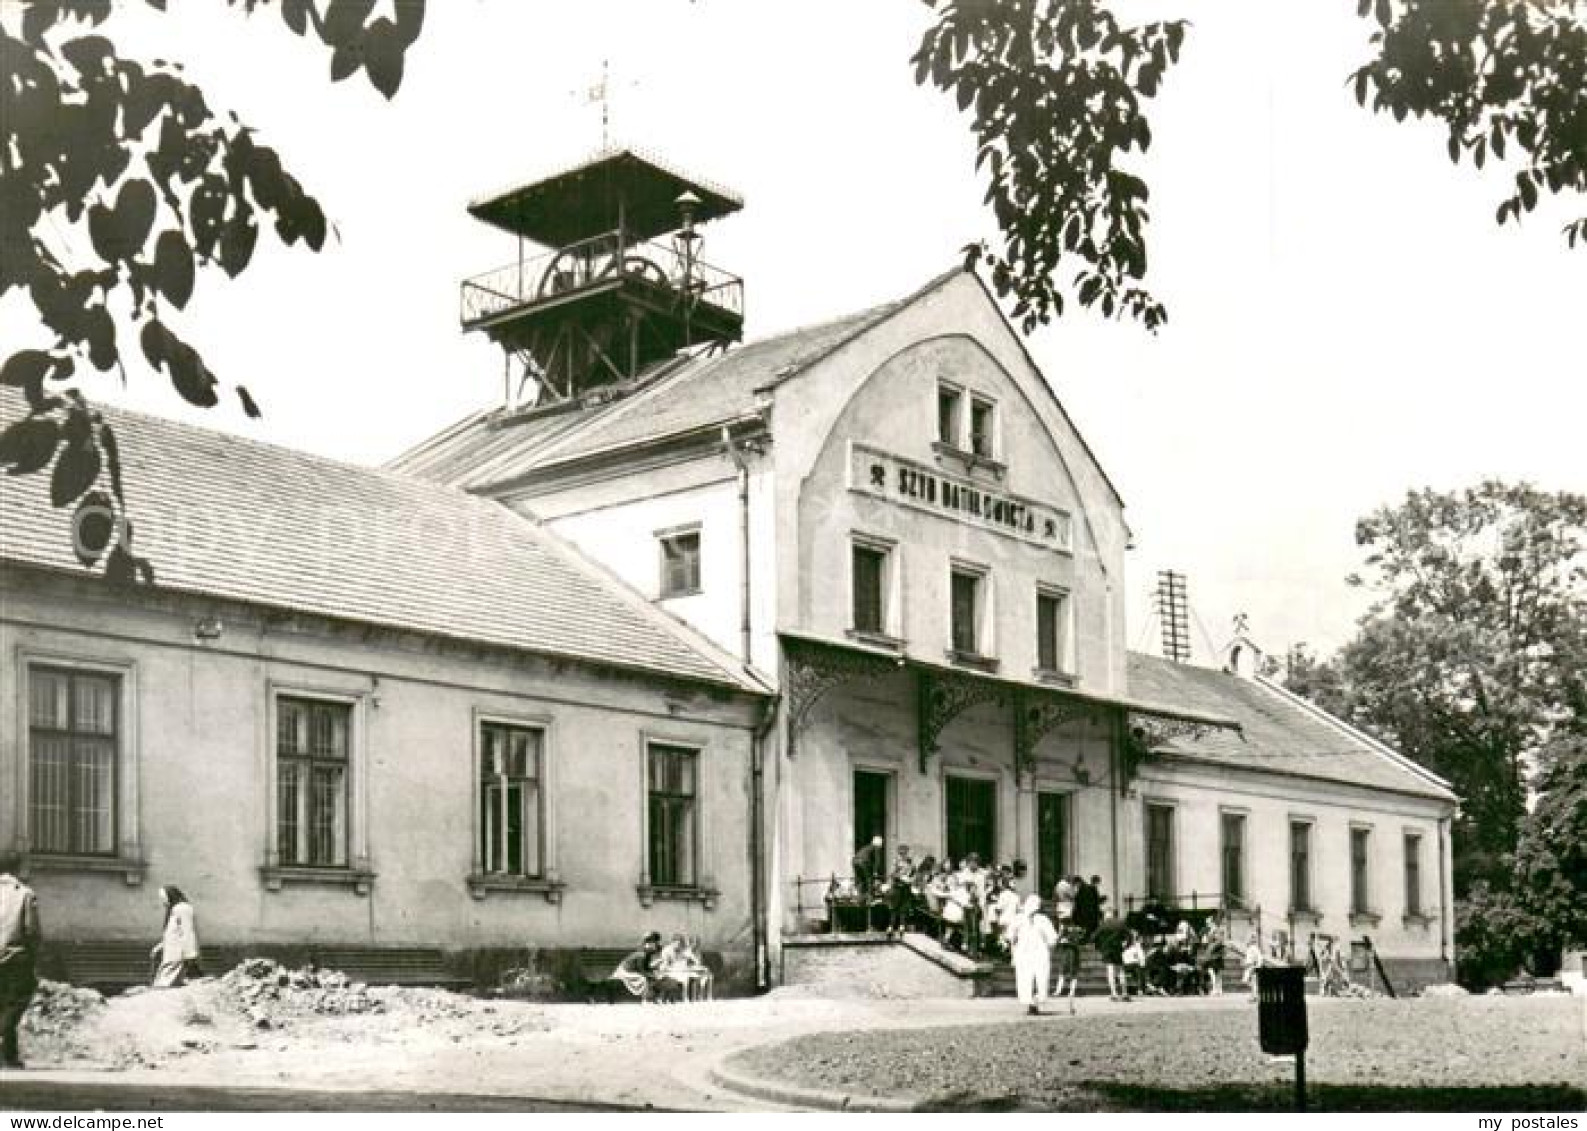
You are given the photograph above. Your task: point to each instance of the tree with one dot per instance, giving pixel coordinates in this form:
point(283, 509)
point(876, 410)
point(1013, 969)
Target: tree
point(1470, 660)
point(1056, 88)
point(1056, 91)
point(119, 183)
point(1551, 854)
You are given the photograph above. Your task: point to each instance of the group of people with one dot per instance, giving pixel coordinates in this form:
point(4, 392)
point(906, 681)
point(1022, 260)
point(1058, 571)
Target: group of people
point(175, 956)
point(657, 972)
point(968, 905)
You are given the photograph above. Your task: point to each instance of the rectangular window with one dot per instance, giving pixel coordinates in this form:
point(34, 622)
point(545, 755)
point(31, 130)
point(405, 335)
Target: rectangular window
point(312, 744)
point(1052, 840)
point(1413, 874)
point(1052, 632)
point(511, 800)
point(673, 777)
point(1300, 866)
point(869, 581)
point(949, 401)
point(1360, 848)
point(1160, 853)
point(680, 564)
point(966, 612)
point(983, 441)
point(971, 811)
point(1233, 854)
point(72, 748)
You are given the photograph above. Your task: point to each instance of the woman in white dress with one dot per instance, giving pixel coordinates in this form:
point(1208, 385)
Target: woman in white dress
point(1032, 941)
point(177, 949)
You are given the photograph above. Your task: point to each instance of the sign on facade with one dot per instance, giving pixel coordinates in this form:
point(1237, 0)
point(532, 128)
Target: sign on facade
point(916, 485)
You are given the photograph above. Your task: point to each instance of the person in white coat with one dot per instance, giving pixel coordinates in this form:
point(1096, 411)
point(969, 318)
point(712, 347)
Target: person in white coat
point(1032, 940)
point(177, 949)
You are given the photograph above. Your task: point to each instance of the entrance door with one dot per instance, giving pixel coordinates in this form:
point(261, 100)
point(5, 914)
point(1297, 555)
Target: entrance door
point(871, 807)
point(1052, 841)
point(971, 819)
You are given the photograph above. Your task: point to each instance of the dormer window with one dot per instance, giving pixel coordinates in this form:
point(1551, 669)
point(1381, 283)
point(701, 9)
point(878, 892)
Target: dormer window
point(950, 409)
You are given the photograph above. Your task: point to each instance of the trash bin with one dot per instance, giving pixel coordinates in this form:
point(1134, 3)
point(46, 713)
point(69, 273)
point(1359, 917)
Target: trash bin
point(1281, 1009)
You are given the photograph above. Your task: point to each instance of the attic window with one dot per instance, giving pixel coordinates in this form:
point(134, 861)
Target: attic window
point(680, 563)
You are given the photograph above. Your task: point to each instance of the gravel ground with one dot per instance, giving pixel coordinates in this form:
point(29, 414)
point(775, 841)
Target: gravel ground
point(1479, 1053)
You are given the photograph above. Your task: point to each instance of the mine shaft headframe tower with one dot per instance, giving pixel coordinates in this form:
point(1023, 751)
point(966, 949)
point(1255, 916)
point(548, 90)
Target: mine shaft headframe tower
point(616, 282)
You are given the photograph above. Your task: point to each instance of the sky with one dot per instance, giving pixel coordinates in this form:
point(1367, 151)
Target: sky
point(1347, 322)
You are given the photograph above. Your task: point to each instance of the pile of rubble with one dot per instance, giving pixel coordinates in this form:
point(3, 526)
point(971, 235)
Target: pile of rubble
point(58, 1011)
point(268, 993)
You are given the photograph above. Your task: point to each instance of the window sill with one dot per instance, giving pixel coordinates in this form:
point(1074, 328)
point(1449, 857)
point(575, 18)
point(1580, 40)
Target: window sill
point(676, 594)
point(973, 660)
point(970, 461)
point(875, 640)
point(1415, 920)
point(131, 870)
point(480, 885)
point(1053, 676)
point(1305, 913)
point(1365, 918)
point(650, 893)
point(277, 876)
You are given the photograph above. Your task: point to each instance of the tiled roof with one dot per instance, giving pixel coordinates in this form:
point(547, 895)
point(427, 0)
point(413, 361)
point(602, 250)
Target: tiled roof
point(235, 518)
point(700, 392)
point(1279, 733)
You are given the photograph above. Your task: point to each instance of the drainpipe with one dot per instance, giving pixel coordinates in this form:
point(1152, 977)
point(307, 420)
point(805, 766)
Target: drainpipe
point(757, 843)
point(1443, 902)
point(1115, 794)
point(742, 468)
point(757, 839)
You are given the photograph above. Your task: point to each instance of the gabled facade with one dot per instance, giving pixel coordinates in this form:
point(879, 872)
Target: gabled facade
point(894, 520)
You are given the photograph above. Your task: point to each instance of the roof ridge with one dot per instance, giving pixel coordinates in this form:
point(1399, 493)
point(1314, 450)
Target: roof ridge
point(1376, 746)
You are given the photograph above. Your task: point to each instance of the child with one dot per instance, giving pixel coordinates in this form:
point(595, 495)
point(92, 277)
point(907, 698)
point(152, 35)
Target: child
point(1135, 964)
point(1068, 954)
point(1252, 961)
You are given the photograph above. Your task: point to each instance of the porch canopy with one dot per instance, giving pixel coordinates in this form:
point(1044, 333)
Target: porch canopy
point(816, 665)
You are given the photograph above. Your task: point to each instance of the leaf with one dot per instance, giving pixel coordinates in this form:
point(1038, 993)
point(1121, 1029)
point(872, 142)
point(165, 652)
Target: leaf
point(93, 526)
point(383, 52)
point(112, 453)
point(26, 370)
point(1382, 12)
point(1528, 190)
point(295, 14)
point(99, 330)
point(75, 470)
point(118, 233)
point(173, 267)
point(249, 406)
point(345, 62)
point(29, 445)
point(344, 19)
point(237, 241)
point(410, 20)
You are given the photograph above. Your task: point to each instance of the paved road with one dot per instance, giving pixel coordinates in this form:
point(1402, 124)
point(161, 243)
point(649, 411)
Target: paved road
point(18, 1093)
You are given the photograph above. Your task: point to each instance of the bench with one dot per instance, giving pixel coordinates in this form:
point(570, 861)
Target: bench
point(405, 966)
point(594, 972)
point(108, 966)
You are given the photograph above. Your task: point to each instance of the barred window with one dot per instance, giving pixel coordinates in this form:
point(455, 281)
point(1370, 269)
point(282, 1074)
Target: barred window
point(673, 775)
point(511, 801)
point(312, 742)
point(72, 753)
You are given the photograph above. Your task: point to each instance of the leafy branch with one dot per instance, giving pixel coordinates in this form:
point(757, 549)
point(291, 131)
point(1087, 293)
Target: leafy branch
point(127, 160)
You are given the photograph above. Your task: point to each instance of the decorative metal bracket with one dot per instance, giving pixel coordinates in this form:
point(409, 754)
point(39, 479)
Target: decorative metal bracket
point(942, 697)
point(812, 670)
point(1144, 734)
point(1035, 716)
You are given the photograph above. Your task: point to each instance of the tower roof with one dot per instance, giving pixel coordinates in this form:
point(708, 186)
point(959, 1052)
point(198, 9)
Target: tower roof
point(594, 195)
